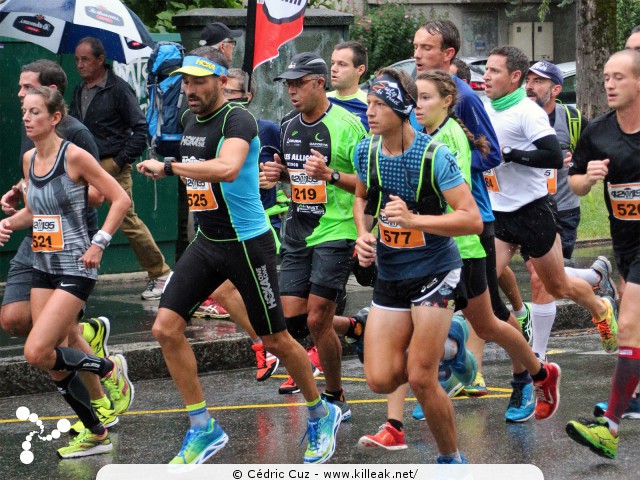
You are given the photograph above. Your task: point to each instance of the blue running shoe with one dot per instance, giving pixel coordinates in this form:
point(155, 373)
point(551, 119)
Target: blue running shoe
point(447, 460)
point(451, 385)
point(522, 404)
point(322, 435)
point(200, 444)
point(464, 364)
point(632, 412)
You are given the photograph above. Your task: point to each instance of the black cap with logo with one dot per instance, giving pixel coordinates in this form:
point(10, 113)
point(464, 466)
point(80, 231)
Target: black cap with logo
point(307, 63)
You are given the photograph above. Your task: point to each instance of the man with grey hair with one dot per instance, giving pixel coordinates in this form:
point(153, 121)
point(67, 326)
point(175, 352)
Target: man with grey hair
point(107, 105)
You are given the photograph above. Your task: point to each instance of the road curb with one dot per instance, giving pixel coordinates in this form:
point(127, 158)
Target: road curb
point(230, 352)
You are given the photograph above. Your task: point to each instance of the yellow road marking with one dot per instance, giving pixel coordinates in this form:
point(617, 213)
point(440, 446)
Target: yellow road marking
point(261, 405)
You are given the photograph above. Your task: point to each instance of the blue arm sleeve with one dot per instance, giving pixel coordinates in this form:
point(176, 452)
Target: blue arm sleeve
point(472, 113)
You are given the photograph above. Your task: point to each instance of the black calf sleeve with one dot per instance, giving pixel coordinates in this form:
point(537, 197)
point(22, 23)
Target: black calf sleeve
point(68, 359)
point(77, 396)
point(297, 326)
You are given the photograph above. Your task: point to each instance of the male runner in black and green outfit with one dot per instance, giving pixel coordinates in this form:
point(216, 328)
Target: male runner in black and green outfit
point(219, 160)
point(318, 141)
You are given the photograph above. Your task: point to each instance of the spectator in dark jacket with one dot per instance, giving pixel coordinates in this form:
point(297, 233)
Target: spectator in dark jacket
point(107, 105)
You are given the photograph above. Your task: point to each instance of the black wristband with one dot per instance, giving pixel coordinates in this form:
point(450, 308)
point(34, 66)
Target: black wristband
point(168, 168)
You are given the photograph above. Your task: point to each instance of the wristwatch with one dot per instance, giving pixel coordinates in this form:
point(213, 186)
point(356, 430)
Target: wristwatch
point(168, 168)
point(506, 151)
point(335, 177)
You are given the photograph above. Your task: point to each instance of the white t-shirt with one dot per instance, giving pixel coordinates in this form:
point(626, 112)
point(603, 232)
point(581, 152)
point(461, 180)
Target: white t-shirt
point(512, 185)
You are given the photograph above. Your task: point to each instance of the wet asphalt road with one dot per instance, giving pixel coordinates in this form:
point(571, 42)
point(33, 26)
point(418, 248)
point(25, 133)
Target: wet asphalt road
point(265, 427)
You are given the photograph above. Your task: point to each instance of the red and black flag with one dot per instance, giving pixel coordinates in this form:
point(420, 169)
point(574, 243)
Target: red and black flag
point(271, 24)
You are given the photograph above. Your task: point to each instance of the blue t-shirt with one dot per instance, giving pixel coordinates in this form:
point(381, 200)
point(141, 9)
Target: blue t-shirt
point(400, 176)
point(269, 135)
point(471, 111)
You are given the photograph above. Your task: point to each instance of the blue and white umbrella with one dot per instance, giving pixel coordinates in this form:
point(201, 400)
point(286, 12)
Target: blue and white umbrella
point(58, 25)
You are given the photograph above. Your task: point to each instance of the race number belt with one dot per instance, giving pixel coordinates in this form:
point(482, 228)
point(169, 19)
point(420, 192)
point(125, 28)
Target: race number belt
point(306, 189)
point(491, 180)
point(394, 236)
point(625, 200)
point(551, 174)
point(200, 196)
point(47, 233)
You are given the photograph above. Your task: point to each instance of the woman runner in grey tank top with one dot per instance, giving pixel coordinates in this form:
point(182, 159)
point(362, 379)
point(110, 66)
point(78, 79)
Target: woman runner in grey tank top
point(66, 261)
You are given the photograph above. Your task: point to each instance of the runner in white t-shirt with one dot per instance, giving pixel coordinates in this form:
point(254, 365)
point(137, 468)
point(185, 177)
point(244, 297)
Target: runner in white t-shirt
point(525, 217)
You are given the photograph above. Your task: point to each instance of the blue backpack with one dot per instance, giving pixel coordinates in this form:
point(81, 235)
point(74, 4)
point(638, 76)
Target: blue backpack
point(165, 99)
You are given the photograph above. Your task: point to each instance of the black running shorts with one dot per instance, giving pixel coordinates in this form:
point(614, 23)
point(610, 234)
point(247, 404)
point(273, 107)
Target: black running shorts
point(251, 267)
point(534, 227)
point(80, 287)
point(629, 266)
point(441, 290)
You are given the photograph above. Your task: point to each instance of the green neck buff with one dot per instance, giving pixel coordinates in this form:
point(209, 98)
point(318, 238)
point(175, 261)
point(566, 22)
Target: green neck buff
point(509, 100)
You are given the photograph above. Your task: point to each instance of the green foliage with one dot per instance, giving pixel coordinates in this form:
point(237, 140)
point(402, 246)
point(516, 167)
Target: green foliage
point(594, 221)
point(157, 14)
point(387, 32)
point(627, 17)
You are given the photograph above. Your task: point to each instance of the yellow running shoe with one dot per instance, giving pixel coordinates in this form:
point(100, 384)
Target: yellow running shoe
point(86, 444)
point(107, 416)
point(595, 435)
point(478, 388)
point(608, 327)
point(117, 383)
point(98, 335)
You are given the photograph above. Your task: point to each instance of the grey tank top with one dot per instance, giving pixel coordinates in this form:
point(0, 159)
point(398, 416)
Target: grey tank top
point(59, 207)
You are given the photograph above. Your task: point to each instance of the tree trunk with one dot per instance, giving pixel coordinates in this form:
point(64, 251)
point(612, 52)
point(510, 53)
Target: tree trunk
point(595, 42)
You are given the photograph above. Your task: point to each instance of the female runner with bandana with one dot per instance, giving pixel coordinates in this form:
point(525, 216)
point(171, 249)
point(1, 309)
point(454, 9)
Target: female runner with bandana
point(405, 180)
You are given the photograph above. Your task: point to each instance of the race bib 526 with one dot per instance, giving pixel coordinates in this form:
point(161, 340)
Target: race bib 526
point(625, 200)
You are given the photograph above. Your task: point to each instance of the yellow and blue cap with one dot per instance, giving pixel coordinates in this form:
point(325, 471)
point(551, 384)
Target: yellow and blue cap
point(200, 67)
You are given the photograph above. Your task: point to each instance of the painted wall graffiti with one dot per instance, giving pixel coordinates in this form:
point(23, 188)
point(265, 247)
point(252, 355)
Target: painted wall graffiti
point(135, 74)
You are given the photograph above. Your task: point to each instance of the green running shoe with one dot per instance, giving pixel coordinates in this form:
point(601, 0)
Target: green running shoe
point(117, 383)
point(98, 341)
point(322, 435)
point(200, 444)
point(107, 416)
point(608, 327)
point(595, 435)
point(86, 444)
point(525, 323)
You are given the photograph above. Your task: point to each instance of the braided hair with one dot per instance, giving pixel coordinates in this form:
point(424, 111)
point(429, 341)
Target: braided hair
point(446, 86)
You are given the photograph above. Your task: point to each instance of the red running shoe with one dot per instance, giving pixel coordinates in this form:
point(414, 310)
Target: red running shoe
point(314, 358)
point(387, 438)
point(548, 392)
point(288, 387)
point(266, 362)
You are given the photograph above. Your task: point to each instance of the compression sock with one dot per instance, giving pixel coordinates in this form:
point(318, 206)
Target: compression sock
point(624, 382)
point(542, 318)
point(76, 395)
point(68, 359)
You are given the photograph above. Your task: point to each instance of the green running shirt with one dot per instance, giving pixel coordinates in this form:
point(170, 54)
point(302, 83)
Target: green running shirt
point(320, 212)
point(453, 136)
